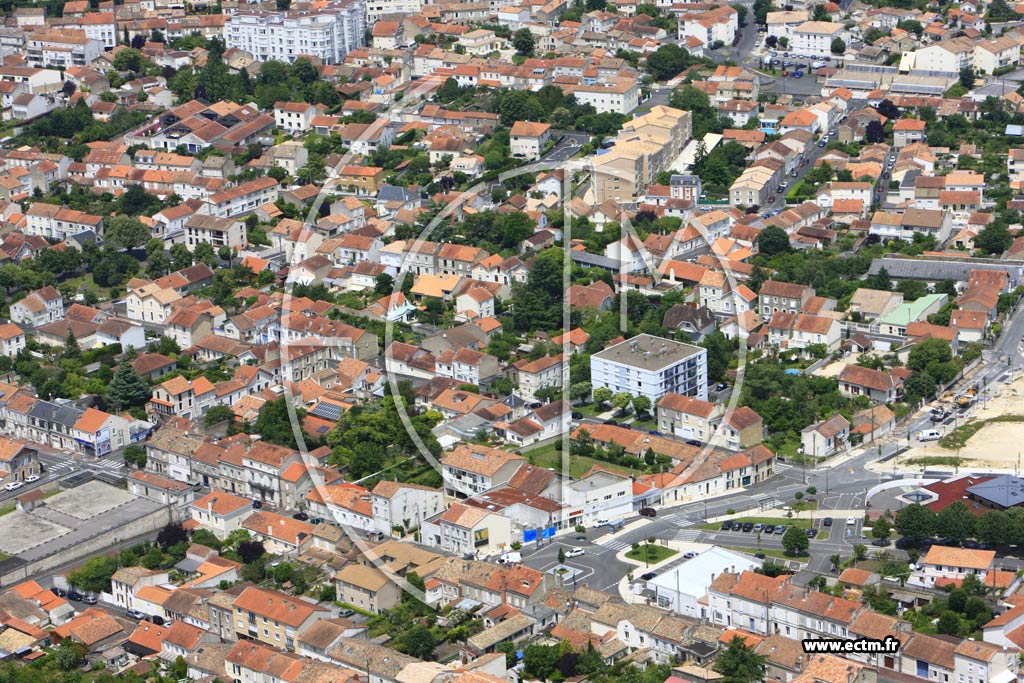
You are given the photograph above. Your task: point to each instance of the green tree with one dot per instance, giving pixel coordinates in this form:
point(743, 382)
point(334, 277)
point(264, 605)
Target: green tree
point(94, 574)
point(773, 241)
point(795, 540)
point(135, 455)
point(71, 347)
point(860, 552)
point(70, 655)
point(993, 527)
point(561, 555)
point(384, 284)
point(126, 388)
point(927, 353)
point(417, 641)
point(881, 529)
point(218, 414)
point(125, 232)
point(523, 42)
point(579, 391)
point(621, 401)
point(949, 623)
point(602, 395)
point(967, 77)
point(955, 522)
point(641, 404)
point(994, 238)
point(838, 46)
point(739, 663)
point(274, 424)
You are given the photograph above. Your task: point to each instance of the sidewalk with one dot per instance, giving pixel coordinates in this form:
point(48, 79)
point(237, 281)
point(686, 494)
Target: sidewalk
point(679, 546)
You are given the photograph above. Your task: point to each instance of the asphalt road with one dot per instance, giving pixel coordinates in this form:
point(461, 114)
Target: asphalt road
point(568, 147)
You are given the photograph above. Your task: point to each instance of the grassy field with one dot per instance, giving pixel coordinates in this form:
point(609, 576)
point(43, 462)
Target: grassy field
point(938, 460)
point(802, 523)
point(7, 509)
point(652, 554)
point(578, 464)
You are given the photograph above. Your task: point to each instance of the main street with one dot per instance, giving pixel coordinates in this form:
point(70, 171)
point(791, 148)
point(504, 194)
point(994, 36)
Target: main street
point(841, 486)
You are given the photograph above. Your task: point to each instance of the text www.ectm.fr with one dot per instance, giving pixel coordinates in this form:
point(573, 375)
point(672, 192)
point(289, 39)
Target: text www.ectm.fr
point(836, 646)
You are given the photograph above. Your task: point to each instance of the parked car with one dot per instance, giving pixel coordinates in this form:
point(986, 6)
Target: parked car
point(780, 529)
point(75, 595)
point(31, 478)
point(689, 556)
point(648, 512)
point(301, 516)
point(136, 614)
point(737, 526)
point(851, 521)
point(576, 415)
point(759, 556)
point(613, 423)
point(748, 527)
point(784, 73)
point(14, 486)
point(601, 522)
point(59, 592)
point(89, 599)
point(769, 528)
point(827, 521)
point(726, 526)
point(256, 505)
point(574, 552)
point(648, 576)
point(812, 532)
point(758, 528)
point(798, 74)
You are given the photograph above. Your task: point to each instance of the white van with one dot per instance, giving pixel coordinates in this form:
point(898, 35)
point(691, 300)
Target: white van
point(929, 435)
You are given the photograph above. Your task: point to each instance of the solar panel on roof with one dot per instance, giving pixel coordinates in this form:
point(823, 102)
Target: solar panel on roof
point(326, 411)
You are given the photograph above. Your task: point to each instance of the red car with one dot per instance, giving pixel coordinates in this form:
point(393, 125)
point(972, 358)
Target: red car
point(648, 512)
point(785, 73)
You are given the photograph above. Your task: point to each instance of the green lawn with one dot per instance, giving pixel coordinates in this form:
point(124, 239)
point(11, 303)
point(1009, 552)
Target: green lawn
point(802, 523)
point(578, 464)
point(822, 535)
point(7, 509)
point(652, 554)
point(767, 552)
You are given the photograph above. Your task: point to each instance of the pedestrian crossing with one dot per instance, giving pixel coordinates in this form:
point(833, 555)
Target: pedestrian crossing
point(58, 471)
point(109, 463)
point(687, 535)
point(616, 545)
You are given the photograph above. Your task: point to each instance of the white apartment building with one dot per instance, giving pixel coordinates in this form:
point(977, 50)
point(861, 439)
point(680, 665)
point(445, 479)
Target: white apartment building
point(242, 199)
point(57, 223)
point(220, 232)
point(815, 37)
point(328, 34)
point(406, 505)
point(378, 9)
point(61, 49)
point(619, 97)
point(651, 366)
point(101, 27)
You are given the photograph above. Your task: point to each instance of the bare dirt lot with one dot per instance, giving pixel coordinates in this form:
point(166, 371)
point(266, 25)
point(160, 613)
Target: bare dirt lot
point(995, 446)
